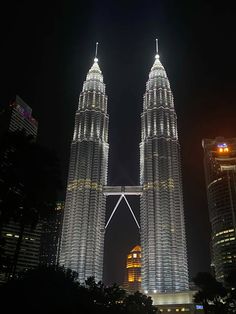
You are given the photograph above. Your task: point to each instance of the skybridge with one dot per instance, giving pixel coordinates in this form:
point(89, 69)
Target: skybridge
point(122, 191)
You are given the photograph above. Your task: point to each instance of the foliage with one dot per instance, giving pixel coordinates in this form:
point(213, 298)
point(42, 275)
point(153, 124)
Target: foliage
point(56, 290)
point(230, 283)
point(213, 295)
point(29, 181)
point(139, 303)
point(29, 178)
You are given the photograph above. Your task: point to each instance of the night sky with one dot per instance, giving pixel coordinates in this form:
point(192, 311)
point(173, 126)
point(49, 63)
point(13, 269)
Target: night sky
point(47, 48)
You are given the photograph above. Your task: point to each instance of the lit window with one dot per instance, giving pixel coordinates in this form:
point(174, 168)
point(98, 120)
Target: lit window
point(134, 255)
point(9, 235)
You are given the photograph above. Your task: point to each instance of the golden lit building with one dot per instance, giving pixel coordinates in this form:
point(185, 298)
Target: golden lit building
point(133, 270)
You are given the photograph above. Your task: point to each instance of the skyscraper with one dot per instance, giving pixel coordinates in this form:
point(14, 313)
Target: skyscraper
point(133, 270)
point(220, 173)
point(84, 216)
point(163, 242)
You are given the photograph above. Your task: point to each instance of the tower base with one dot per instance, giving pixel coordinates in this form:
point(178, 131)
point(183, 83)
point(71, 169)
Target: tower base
point(178, 302)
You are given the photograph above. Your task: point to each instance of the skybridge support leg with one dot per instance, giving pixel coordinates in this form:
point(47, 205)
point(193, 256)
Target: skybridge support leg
point(114, 210)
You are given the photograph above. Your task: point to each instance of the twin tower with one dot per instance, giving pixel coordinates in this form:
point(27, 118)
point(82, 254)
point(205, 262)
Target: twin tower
point(162, 226)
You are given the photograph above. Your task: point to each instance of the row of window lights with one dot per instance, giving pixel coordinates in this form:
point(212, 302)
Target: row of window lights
point(17, 236)
point(135, 255)
point(225, 231)
point(183, 309)
point(225, 240)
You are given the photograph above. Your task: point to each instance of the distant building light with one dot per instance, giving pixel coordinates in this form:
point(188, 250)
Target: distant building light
point(199, 307)
point(146, 291)
point(222, 145)
point(9, 235)
point(222, 148)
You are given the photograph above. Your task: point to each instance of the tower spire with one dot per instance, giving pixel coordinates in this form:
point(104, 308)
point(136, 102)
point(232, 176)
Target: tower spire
point(157, 55)
point(96, 53)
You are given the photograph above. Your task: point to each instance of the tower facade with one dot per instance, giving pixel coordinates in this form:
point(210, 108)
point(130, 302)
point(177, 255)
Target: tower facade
point(220, 174)
point(84, 216)
point(163, 242)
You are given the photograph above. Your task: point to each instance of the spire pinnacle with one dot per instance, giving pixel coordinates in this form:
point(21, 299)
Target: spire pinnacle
point(96, 53)
point(157, 55)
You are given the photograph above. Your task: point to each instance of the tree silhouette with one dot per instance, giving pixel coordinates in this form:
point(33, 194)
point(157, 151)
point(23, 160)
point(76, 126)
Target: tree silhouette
point(139, 303)
point(230, 283)
point(29, 180)
point(211, 293)
point(56, 290)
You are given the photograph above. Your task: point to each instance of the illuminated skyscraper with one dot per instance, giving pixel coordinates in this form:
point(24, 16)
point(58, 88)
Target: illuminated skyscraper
point(84, 216)
point(133, 270)
point(163, 242)
point(220, 173)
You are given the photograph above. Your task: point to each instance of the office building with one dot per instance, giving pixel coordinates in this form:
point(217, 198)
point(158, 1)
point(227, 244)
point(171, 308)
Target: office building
point(50, 239)
point(18, 116)
point(220, 174)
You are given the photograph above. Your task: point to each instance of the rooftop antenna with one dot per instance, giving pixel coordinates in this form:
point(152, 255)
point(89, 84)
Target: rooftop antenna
point(96, 53)
point(157, 55)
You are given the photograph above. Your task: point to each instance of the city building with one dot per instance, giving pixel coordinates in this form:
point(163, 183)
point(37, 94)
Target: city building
point(220, 174)
point(83, 229)
point(18, 116)
point(29, 253)
point(50, 239)
point(133, 270)
point(163, 240)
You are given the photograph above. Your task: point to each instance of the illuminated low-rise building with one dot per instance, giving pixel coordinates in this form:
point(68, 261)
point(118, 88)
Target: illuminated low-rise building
point(133, 270)
point(220, 169)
